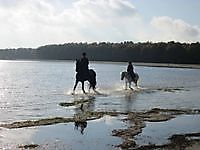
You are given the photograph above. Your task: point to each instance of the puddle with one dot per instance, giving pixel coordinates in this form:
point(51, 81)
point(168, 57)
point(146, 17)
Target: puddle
point(87, 135)
point(158, 132)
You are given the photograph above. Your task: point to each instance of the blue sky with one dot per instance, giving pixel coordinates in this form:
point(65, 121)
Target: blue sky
point(187, 10)
point(32, 23)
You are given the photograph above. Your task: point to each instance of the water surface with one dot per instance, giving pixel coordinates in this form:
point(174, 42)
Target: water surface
point(32, 90)
point(95, 134)
point(158, 132)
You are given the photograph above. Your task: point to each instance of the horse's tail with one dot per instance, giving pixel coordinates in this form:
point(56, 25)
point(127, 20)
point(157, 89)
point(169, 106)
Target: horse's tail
point(92, 79)
point(136, 78)
point(123, 75)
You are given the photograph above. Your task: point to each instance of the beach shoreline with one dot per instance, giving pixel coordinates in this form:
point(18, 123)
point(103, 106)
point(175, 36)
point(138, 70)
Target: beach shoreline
point(168, 65)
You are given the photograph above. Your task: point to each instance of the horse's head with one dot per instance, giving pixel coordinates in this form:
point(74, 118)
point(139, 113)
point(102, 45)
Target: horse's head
point(122, 75)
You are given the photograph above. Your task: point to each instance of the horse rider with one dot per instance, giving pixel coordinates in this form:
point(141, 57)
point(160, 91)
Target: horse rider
point(84, 62)
point(82, 66)
point(130, 70)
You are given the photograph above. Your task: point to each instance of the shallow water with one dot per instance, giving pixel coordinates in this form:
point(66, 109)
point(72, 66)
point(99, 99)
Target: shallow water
point(95, 134)
point(158, 132)
point(33, 90)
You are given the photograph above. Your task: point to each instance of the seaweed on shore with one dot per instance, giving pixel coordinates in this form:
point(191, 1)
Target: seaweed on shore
point(172, 90)
point(86, 116)
point(64, 104)
point(40, 122)
point(31, 146)
point(76, 102)
point(177, 142)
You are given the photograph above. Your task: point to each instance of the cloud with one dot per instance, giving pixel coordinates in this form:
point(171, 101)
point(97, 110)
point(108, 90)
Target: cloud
point(25, 23)
point(167, 28)
point(31, 23)
point(105, 20)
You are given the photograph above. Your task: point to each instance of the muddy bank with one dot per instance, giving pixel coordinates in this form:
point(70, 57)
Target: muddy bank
point(173, 90)
point(31, 146)
point(154, 115)
point(40, 122)
point(85, 116)
point(78, 100)
point(75, 103)
point(177, 142)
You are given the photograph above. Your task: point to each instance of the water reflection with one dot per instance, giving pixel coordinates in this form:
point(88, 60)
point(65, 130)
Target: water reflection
point(81, 112)
point(129, 98)
point(80, 125)
point(80, 117)
point(87, 103)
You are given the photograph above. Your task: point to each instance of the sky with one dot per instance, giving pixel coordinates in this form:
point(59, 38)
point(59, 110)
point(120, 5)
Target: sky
point(34, 23)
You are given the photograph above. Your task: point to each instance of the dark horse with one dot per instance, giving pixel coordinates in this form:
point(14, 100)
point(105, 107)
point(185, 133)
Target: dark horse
point(83, 76)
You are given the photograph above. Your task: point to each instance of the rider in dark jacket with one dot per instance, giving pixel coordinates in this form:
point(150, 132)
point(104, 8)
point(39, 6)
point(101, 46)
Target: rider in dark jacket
point(84, 63)
point(130, 70)
point(82, 66)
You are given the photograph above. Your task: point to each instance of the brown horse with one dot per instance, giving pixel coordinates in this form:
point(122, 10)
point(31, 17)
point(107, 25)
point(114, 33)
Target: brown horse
point(81, 76)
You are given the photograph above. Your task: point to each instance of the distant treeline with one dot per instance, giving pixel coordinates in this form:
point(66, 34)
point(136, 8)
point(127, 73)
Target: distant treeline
point(161, 52)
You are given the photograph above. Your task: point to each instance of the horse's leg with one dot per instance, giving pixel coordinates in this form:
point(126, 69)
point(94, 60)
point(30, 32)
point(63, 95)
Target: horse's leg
point(94, 89)
point(83, 87)
point(130, 86)
point(136, 83)
point(90, 88)
point(136, 80)
point(75, 86)
point(125, 85)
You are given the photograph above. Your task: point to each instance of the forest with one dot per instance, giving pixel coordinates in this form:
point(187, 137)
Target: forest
point(161, 52)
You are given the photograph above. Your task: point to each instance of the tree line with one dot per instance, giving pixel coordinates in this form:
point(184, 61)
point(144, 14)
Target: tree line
point(161, 52)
